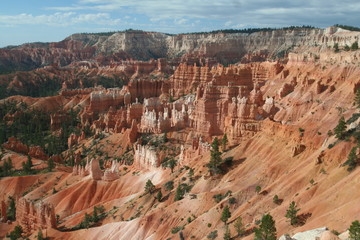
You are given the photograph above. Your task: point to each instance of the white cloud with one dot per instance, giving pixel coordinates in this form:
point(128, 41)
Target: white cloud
point(249, 12)
point(58, 19)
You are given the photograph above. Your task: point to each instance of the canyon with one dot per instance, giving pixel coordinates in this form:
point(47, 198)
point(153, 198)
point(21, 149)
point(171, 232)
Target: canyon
point(129, 107)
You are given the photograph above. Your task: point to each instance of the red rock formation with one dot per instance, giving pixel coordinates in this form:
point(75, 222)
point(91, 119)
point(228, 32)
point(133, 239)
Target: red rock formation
point(37, 152)
point(34, 216)
point(16, 145)
point(3, 213)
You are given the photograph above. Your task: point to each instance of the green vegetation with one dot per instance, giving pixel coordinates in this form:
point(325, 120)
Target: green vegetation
point(267, 229)
point(32, 127)
point(226, 214)
point(253, 30)
point(169, 185)
point(355, 46)
point(176, 229)
point(352, 160)
point(219, 197)
point(27, 165)
point(149, 187)
point(51, 165)
point(354, 230)
point(212, 235)
point(291, 213)
point(224, 142)
point(276, 199)
point(357, 98)
point(91, 220)
point(11, 210)
point(7, 168)
point(215, 159)
point(159, 196)
point(181, 190)
point(257, 189)
point(336, 47)
point(227, 235)
point(239, 227)
point(16, 233)
point(169, 163)
point(347, 27)
point(340, 129)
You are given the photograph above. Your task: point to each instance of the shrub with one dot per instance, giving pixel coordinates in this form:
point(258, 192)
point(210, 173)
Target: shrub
point(176, 229)
point(354, 230)
point(169, 185)
point(212, 235)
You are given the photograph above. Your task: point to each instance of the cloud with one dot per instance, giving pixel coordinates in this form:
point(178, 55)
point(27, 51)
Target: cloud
point(244, 12)
point(58, 19)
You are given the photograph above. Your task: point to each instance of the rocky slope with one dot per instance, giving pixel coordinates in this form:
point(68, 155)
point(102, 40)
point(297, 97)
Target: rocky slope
point(278, 116)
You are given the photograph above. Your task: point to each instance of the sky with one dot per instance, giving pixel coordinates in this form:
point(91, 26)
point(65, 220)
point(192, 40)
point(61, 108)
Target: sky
point(53, 20)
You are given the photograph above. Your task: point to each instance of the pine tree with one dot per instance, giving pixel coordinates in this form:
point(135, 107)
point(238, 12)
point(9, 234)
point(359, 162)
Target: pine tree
point(291, 213)
point(179, 193)
point(357, 98)
point(226, 214)
point(224, 142)
point(355, 46)
point(267, 229)
point(149, 187)
point(352, 160)
point(215, 158)
point(40, 235)
point(354, 230)
point(227, 235)
point(27, 165)
point(16, 233)
point(159, 196)
point(239, 226)
point(170, 163)
point(340, 128)
point(95, 216)
point(11, 211)
point(51, 164)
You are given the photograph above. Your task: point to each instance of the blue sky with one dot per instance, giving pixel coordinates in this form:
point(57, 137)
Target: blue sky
point(53, 20)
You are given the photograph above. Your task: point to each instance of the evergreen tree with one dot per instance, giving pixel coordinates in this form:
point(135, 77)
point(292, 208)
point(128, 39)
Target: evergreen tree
point(170, 163)
point(7, 167)
point(27, 165)
point(179, 193)
point(159, 196)
point(227, 235)
point(354, 230)
point(357, 98)
point(165, 138)
point(149, 187)
point(40, 235)
point(86, 221)
point(16, 233)
point(215, 158)
point(291, 213)
point(340, 128)
point(352, 160)
point(51, 164)
point(267, 229)
point(11, 211)
point(226, 214)
point(355, 46)
point(336, 47)
point(95, 216)
point(239, 226)
point(224, 142)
